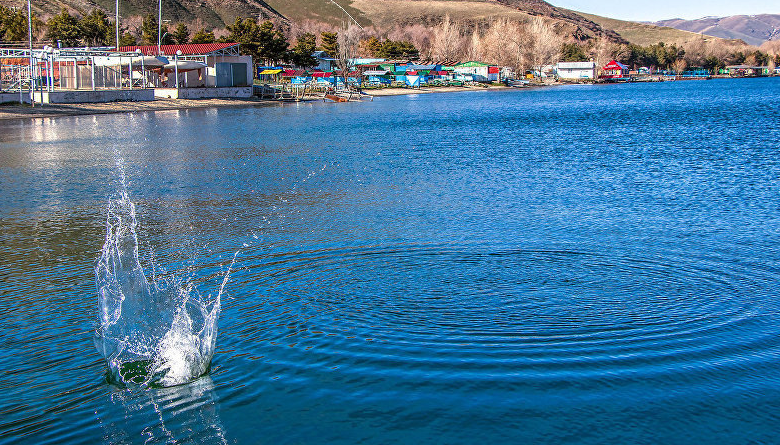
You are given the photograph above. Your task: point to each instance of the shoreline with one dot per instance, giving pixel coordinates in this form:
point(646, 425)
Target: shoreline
point(16, 111)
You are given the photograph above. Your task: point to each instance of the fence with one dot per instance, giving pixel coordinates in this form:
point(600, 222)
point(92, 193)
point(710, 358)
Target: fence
point(51, 69)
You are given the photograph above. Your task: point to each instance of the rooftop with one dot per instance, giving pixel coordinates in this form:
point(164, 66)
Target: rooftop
point(190, 49)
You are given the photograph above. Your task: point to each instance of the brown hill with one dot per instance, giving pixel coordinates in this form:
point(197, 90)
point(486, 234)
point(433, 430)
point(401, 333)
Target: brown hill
point(752, 29)
point(213, 13)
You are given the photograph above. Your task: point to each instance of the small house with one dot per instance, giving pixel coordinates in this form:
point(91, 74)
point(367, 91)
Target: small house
point(478, 71)
point(324, 61)
point(576, 70)
point(614, 70)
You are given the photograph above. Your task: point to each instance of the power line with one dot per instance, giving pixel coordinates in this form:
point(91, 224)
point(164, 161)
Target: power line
point(348, 14)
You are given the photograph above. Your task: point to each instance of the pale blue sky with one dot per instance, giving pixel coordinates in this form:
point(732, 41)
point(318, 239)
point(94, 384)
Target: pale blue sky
point(669, 9)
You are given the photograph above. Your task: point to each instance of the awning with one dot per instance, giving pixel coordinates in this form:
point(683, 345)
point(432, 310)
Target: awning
point(375, 73)
point(293, 73)
point(321, 74)
point(267, 72)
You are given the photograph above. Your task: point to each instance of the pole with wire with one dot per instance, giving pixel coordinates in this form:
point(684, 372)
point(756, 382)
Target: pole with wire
point(348, 14)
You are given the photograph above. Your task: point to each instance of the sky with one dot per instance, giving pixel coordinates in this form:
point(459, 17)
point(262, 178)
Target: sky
point(669, 9)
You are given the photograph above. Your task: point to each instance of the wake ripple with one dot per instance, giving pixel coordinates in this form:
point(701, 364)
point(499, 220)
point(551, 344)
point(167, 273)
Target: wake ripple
point(430, 311)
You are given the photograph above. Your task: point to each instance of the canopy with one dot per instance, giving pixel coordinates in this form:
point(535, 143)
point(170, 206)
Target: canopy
point(185, 65)
point(136, 61)
point(269, 72)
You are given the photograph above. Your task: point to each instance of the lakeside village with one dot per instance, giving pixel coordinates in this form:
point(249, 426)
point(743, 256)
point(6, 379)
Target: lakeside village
point(220, 70)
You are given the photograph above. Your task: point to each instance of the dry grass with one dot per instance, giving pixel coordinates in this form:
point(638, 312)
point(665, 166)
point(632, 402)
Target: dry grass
point(320, 10)
point(644, 34)
point(388, 12)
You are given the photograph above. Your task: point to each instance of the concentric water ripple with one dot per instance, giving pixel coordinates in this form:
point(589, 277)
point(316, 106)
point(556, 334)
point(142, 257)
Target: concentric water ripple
point(506, 314)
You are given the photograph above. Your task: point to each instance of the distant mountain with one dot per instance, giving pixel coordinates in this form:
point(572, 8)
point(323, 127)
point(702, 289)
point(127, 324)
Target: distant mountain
point(753, 29)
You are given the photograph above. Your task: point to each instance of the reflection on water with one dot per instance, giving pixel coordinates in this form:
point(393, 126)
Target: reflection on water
point(180, 414)
point(578, 265)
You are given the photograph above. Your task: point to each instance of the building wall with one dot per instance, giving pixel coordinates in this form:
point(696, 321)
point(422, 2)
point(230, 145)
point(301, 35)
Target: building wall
point(480, 73)
point(576, 73)
point(210, 77)
point(203, 93)
point(87, 96)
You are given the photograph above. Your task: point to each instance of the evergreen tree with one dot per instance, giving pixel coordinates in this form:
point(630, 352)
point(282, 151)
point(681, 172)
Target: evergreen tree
point(95, 28)
point(571, 52)
point(65, 28)
point(272, 43)
point(181, 35)
point(262, 41)
point(301, 53)
point(127, 39)
point(203, 36)
point(330, 43)
point(393, 49)
point(13, 24)
point(149, 31)
point(373, 46)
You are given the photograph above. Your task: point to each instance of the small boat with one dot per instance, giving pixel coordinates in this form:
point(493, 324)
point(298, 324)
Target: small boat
point(516, 83)
point(334, 98)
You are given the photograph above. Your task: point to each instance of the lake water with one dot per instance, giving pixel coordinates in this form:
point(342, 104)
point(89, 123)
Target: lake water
point(585, 264)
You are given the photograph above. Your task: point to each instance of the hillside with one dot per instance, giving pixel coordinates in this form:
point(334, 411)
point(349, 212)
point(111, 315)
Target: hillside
point(647, 34)
point(752, 29)
point(213, 13)
point(387, 13)
point(383, 14)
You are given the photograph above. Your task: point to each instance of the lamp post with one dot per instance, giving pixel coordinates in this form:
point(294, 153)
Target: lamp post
point(32, 70)
point(116, 25)
point(176, 68)
point(159, 26)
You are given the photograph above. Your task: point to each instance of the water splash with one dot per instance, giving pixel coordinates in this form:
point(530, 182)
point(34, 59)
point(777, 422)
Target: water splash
point(158, 332)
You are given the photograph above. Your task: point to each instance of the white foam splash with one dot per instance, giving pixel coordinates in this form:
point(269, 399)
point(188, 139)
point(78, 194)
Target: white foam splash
point(160, 332)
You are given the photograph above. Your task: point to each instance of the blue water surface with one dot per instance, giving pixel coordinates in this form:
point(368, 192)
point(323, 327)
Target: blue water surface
point(582, 264)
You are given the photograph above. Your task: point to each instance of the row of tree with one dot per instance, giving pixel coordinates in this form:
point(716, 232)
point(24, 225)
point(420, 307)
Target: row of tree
point(517, 44)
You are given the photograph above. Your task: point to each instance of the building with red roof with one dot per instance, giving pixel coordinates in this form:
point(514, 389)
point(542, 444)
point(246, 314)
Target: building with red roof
point(221, 66)
point(614, 70)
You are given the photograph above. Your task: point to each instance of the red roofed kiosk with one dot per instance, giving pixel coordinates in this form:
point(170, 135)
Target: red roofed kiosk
point(614, 70)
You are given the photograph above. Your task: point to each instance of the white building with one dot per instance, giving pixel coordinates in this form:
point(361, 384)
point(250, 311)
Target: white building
point(479, 71)
point(576, 70)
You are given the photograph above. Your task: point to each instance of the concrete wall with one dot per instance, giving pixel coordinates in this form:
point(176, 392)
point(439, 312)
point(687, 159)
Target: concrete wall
point(203, 93)
point(76, 97)
point(14, 97)
point(210, 77)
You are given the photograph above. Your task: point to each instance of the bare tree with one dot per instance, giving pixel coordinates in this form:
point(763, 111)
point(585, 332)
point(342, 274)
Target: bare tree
point(447, 41)
point(680, 65)
point(546, 43)
point(349, 45)
point(603, 52)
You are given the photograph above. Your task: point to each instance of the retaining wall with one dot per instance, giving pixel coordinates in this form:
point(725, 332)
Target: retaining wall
point(203, 93)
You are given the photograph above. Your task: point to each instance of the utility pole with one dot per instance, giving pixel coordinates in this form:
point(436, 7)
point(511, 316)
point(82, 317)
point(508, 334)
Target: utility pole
point(159, 26)
point(116, 24)
point(32, 70)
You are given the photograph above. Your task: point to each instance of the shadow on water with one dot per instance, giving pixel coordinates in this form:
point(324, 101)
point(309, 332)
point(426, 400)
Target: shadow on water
point(180, 414)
